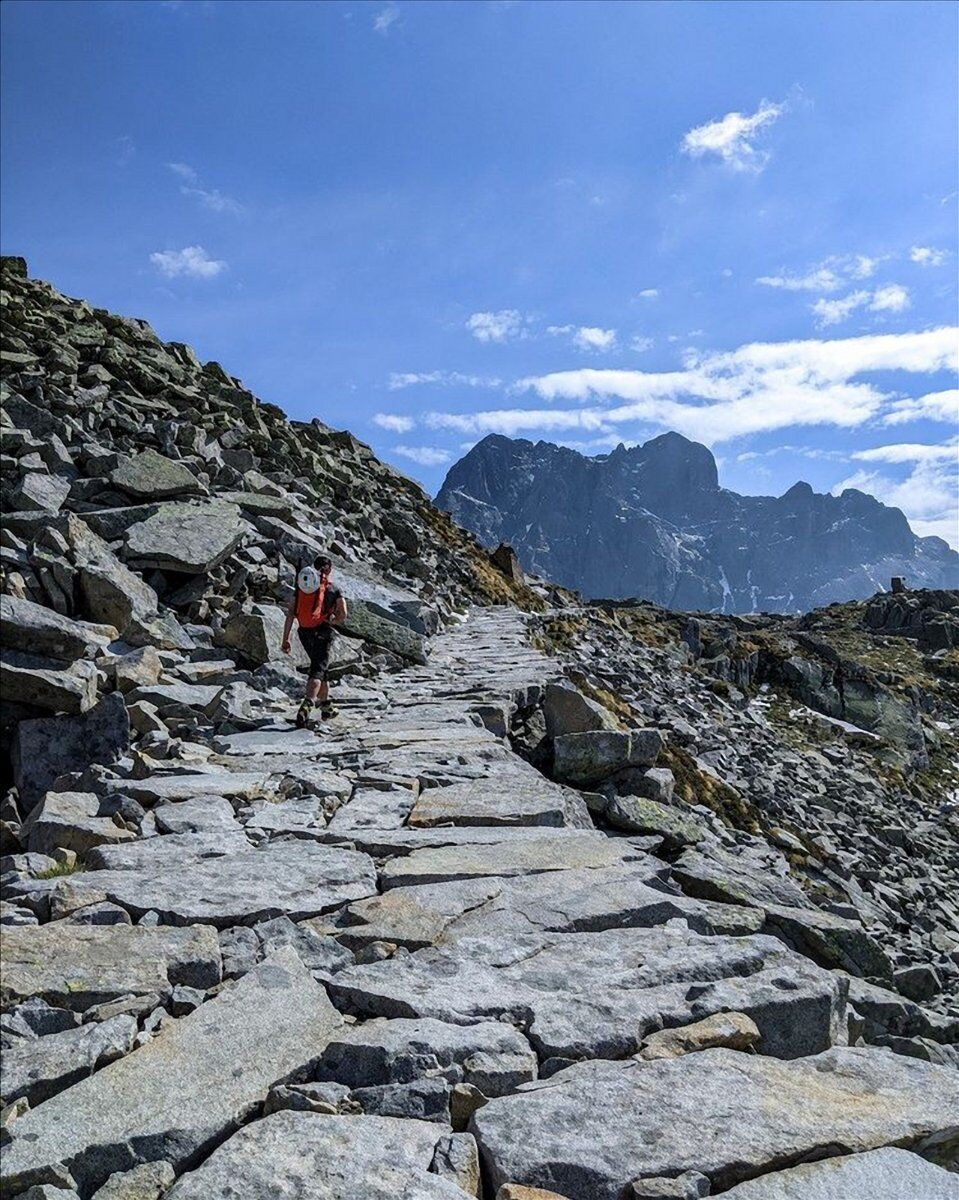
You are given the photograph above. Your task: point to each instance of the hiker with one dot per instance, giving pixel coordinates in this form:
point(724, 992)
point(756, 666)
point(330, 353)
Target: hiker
point(316, 606)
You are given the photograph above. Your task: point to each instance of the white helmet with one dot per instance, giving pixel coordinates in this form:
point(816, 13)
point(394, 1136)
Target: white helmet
point(308, 579)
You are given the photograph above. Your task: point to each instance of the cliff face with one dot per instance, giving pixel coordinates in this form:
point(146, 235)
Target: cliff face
point(653, 522)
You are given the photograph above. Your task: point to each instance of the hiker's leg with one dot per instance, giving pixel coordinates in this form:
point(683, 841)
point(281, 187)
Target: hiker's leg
point(315, 689)
point(324, 692)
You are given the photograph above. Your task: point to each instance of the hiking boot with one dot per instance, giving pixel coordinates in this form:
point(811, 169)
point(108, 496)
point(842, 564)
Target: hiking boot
point(327, 711)
point(303, 714)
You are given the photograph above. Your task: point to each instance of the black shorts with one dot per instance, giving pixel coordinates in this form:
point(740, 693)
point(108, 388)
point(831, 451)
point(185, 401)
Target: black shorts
point(316, 642)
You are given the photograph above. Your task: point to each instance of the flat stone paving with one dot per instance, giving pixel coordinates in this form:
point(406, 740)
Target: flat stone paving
point(478, 896)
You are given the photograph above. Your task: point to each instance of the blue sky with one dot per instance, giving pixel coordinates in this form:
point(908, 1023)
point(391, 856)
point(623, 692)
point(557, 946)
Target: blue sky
point(585, 222)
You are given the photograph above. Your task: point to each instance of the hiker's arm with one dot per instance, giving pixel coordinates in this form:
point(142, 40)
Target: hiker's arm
point(339, 612)
point(288, 625)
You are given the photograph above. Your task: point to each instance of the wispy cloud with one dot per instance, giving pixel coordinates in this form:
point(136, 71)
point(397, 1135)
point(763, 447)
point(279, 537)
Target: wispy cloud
point(891, 298)
point(732, 138)
point(758, 388)
point(191, 261)
point(385, 19)
point(819, 279)
point(207, 197)
point(588, 338)
point(394, 422)
point(927, 256)
point(126, 149)
point(407, 379)
point(934, 406)
point(504, 325)
point(649, 294)
point(425, 456)
point(641, 344)
point(928, 494)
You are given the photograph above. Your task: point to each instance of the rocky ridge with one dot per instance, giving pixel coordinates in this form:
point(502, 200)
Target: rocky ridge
point(566, 902)
point(652, 522)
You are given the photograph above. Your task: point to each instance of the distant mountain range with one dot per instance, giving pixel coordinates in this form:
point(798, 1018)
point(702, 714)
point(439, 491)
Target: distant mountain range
point(653, 522)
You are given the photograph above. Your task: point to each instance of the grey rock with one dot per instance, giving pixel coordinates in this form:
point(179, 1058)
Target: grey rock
point(374, 624)
point(151, 476)
point(519, 800)
point(201, 814)
point(567, 710)
point(219, 1063)
point(635, 814)
point(43, 684)
point(147, 1182)
point(507, 857)
point(886, 1174)
point(318, 1157)
point(586, 1130)
point(30, 627)
point(77, 966)
point(221, 880)
point(48, 747)
point(426, 1099)
point(599, 994)
point(258, 636)
point(70, 821)
point(40, 493)
point(38, 1069)
point(588, 758)
point(380, 1052)
point(157, 788)
point(191, 539)
point(111, 592)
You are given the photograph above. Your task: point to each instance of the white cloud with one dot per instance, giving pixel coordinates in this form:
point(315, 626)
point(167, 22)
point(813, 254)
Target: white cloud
point(928, 495)
point(649, 294)
point(184, 170)
point(586, 337)
point(214, 200)
point(386, 18)
point(831, 312)
point(891, 298)
point(904, 452)
point(425, 456)
point(394, 422)
point(863, 267)
point(502, 326)
point(927, 256)
point(192, 261)
point(819, 279)
point(405, 379)
point(641, 344)
point(934, 406)
point(731, 138)
point(715, 397)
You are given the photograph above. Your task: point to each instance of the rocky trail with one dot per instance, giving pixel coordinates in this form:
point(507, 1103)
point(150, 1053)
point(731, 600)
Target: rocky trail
point(566, 901)
point(389, 958)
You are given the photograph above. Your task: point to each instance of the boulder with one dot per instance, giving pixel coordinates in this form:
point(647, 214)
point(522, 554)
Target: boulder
point(33, 629)
point(39, 1068)
point(42, 683)
point(190, 539)
point(588, 758)
point(633, 814)
point(77, 966)
point(147, 1182)
point(259, 635)
point(37, 492)
point(734, 1030)
point(70, 821)
point(886, 1174)
point(491, 1055)
point(151, 476)
point(183, 1093)
point(567, 710)
point(317, 1157)
point(590, 1130)
point(378, 626)
point(48, 747)
point(111, 592)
